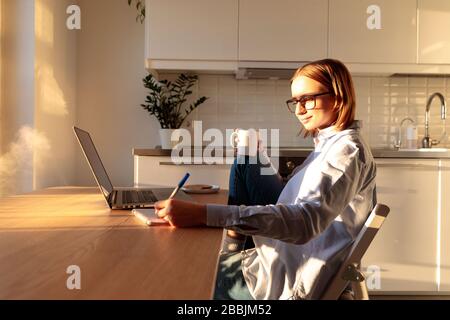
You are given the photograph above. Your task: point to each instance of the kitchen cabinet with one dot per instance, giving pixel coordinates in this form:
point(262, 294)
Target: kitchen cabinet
point(445, 228)
point(285, 30)
point(155, 170)
point(434, 31)
point(192, 30)
point(405, 249)
point(351, 41)
point(231, 36)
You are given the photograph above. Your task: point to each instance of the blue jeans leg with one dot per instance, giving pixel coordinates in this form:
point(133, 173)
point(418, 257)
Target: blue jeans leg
point(247, 186)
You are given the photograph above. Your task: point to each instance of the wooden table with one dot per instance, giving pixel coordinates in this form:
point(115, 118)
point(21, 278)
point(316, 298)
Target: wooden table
point(43, 233)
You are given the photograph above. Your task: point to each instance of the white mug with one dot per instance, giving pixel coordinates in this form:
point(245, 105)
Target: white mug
point(245, 141)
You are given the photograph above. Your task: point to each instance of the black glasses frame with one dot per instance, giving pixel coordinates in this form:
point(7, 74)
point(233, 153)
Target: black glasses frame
point(303, 100)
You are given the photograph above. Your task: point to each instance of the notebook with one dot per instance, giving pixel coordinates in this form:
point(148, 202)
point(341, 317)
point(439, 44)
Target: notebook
point(149, 217)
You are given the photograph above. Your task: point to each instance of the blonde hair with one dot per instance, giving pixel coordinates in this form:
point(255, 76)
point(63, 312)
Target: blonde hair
point(336, 78)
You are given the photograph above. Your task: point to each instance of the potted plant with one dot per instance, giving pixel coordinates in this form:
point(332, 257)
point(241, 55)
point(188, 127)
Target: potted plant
point(140, 7)
point(166, 100)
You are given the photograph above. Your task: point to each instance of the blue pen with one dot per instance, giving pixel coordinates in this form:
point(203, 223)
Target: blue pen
point(180, 185)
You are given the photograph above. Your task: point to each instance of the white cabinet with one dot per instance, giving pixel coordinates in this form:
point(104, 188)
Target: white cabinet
point(285, 30)
point(217, 35)
point(192, 29)
point(351, 41)
point(434, 31)
point(153, 170)
point(445, 228)
point(406, 249)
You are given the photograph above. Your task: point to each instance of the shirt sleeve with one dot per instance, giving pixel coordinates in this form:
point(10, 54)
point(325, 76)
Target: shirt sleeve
point(326, 190)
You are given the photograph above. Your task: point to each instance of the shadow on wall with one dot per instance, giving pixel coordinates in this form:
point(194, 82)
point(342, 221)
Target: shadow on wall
point(17, 165)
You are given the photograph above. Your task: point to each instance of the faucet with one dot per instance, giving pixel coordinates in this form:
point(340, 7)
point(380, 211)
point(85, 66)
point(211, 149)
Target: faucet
point(398, 143)
point(427, 142)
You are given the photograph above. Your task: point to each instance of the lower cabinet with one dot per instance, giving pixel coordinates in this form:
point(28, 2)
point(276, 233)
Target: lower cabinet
point(445, 228)
point(404, 255)
point(150, 170)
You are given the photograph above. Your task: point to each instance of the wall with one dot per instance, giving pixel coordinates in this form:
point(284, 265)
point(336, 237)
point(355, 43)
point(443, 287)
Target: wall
point(110, 91)
point(17, 94)
point(55, 102)
point(1, 72)
point(382, 102)
point(38, 96)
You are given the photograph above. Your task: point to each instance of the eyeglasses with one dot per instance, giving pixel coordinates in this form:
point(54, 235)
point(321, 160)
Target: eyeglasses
point(307, 102)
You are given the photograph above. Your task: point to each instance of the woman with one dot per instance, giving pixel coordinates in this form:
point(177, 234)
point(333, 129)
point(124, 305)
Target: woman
point(301, 240)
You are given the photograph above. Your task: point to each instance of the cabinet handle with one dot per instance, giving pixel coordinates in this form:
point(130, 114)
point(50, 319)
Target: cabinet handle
point(193, 164)
point(409, 165)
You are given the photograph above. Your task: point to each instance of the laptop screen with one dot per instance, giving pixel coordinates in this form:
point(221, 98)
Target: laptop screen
point(94, 161)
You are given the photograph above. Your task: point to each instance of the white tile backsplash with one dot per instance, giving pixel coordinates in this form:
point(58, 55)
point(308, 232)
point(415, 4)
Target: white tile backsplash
point(382, 102)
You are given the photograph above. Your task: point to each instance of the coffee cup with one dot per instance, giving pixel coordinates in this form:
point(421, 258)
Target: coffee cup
point(246, 142)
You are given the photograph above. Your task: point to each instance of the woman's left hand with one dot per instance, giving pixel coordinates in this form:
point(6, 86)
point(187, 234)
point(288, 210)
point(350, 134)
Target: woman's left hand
point(181, 213)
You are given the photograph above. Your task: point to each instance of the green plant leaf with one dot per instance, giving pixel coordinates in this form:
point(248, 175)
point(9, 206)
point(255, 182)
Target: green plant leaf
point(140, 8)
point(165, 99)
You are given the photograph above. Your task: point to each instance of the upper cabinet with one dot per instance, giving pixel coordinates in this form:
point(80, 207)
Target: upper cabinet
point(373, 31)
point(284, 30)
point(192, 30)
point(434, 31)
point(369, 36)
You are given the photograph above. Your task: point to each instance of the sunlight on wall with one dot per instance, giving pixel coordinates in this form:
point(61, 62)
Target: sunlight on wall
point(21, 157)
point(435, 47)
point(44, 24)
point(49, 94)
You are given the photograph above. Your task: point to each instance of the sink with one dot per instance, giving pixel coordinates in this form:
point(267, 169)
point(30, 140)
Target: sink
point(425, 150)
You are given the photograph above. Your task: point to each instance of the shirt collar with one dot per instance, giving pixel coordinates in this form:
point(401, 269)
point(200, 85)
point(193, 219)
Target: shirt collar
point(327, 133)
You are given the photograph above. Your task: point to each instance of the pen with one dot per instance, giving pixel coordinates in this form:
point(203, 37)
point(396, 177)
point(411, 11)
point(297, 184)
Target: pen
point(179, 186)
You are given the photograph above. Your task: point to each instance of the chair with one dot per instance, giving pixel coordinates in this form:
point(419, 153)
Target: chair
point(349, 270)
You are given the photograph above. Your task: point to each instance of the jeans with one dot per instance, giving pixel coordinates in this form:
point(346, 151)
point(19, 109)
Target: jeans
point(247, 187)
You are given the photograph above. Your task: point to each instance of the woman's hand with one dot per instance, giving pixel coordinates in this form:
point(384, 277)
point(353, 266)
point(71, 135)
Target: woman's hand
point(181, 213)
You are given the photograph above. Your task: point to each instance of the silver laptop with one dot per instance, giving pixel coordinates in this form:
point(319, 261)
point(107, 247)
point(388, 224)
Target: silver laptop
point(120, 198)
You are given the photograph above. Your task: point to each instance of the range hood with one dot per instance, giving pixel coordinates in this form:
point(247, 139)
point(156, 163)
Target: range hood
point(264, 73)
point(266, 70)
point(285, 70)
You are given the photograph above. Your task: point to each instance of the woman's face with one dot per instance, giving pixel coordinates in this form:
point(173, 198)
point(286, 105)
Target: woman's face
point(322, 116)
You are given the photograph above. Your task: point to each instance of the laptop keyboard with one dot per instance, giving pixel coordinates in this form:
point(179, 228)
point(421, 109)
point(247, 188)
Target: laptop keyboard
point(134, 196)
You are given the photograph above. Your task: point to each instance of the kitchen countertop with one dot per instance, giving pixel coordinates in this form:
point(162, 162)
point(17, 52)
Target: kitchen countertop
point(302, 152)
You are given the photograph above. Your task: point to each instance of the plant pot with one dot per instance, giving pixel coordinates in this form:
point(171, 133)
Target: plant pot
point(164, 136)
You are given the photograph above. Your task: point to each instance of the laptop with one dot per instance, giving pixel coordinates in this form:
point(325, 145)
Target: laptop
point(120, 198)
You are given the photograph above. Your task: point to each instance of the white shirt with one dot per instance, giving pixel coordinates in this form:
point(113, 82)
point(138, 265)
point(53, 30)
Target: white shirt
point(301, 241)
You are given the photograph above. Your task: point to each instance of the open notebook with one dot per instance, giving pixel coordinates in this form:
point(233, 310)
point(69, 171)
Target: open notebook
point(149, 217)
